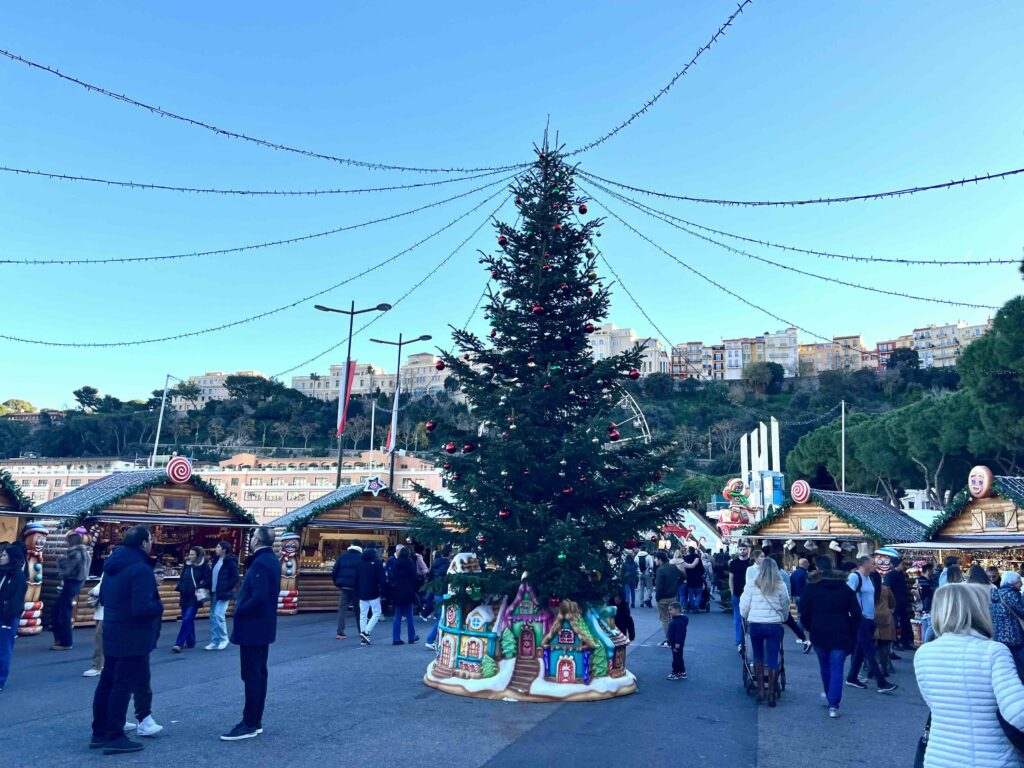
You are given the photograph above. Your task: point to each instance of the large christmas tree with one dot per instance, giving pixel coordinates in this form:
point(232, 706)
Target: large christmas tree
point(550, 491)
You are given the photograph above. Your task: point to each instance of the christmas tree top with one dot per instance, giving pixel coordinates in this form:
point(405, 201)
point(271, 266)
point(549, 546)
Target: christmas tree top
point(548, 491)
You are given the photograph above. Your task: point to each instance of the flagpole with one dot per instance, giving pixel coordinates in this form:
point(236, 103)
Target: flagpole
point(160, 420)
point(345, 389)
point(373, 426)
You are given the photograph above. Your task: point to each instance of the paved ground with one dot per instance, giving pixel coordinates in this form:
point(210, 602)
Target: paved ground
point(333, 701)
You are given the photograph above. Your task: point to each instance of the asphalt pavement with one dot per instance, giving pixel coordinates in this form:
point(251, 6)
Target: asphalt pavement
point(334, 701)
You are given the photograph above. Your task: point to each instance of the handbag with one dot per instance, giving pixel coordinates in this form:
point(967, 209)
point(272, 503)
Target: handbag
point(922, 744)
point(202, 594)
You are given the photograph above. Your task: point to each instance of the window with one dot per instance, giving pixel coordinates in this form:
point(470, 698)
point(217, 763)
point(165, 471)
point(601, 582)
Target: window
point(253, 496)
point(234, 481)
point(74, 483)
point(56, 483)
point(42, 483)
point(995, 519)
point(808, 524)
point(274, 496)
point(296, 496)
point(26, 483)
point(175, 503)
point(373, 513)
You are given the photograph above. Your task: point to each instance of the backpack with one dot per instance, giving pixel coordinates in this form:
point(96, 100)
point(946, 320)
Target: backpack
point(642, 564)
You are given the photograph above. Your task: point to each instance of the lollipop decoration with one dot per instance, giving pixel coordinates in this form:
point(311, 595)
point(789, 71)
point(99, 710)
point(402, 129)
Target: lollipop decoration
point(179, 469)
point(800, 491)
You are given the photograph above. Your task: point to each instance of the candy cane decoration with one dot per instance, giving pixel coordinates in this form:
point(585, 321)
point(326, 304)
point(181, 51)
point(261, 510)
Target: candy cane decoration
point(800, 491)
point(179, 469)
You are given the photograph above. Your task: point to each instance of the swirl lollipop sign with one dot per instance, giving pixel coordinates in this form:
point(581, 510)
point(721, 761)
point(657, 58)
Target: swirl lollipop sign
point(179, 469)
point(800, 491)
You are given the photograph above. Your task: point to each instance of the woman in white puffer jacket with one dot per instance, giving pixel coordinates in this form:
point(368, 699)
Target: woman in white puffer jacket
point(966, 679)
point(765, 606)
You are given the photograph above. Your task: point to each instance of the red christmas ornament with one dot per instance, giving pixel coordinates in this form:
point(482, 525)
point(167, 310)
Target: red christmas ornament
point(493, 333)
point(634, 374)
point(451, 447)
point(565, 287)
point(537, 309)
point(614, 435)
point(504, 514)
point(557, 227)
point(583, 208)
point(613, 425)
point(466, 356)
point(447, 465)
point(504, 435)
point(546, 267)
point(567, 491)
point(554, 602)
point(518, 201)
point(494, 274)
point(590, 291)
point(589, 327)
point(481, 538)
point(547, 386)
point(502, 241)
point(439, 365)
point(431, 425)
point(468, 448)
point(657, 477)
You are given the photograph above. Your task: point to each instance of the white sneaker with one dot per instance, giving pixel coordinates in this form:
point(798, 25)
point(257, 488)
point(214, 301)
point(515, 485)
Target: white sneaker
point(430, 646)
point(799, 641)
point(824, 698)
point(222, 646)
point(149, 727)
point(211, 647)
point(130, 726)
point(833, 712)
point(92, 673)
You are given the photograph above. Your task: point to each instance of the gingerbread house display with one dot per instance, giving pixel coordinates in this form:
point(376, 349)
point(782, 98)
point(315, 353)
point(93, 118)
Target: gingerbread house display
point(317, 533)
point(569, 647)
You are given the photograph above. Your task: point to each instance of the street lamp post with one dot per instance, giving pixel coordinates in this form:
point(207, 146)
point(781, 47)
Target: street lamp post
point(160, 420)
point(343, 391)
point(398, 385)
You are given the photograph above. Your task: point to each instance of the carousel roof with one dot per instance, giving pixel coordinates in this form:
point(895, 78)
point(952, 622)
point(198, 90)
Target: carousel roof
point(336, 498)
point(21, 502)
point(99, 494)
point(1007, 486)
point(870, 514)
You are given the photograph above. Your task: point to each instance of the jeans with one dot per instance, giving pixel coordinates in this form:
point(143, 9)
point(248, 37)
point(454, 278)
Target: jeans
point(366, 622)
point(797, 629)
point(630, 594)
point(432, 635)
point(253, 661)
point(121, 677)
point(396, 624)
point(866, 651)
point(7, 635)
point(62, 621)
point(766, 640)
point(345, 601)
point(693, 596)
point(646, 587)
point(187, 633)
point(218, 622)
point(97, 650)
point(678, 665)
point(737, 620)
point(831, 664)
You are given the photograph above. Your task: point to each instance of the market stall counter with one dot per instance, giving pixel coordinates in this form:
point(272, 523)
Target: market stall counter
point(315, 535)
point(180, 509)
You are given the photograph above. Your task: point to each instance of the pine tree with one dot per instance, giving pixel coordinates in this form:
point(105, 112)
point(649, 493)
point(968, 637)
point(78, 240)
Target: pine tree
point(548, 488)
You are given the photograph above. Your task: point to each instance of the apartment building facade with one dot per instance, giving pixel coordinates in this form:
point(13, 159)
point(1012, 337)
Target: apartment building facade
point(939, 346)
point(211, 387)
point(609, 340)
point(419, 375)
point(783, 348)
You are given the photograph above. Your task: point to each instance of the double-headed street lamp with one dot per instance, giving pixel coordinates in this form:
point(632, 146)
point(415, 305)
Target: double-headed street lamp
point(344, 391)
point(398, 381)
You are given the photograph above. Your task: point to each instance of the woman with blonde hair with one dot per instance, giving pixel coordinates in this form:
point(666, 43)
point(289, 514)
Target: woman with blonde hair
point(765, 606)
point(968, 681)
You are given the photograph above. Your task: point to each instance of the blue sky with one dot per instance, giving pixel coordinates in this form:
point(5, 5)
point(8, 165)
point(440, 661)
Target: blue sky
point(798, 99)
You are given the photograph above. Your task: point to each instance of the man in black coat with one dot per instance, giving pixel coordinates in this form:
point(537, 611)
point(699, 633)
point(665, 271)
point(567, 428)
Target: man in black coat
point(370, 581)
point(896, 580)
point(830, 612)
point(344, 577)
point(132, 611)
point(13, 585)
point(255, 628)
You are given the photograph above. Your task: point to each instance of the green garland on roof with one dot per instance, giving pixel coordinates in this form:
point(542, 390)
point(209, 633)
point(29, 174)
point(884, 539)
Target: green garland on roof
point(7, 483)
point(788, 502)
point(959, 503)
point(298, 523)
point(159, 480)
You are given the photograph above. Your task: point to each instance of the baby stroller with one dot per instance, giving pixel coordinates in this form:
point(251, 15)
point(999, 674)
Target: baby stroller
point(749, 680)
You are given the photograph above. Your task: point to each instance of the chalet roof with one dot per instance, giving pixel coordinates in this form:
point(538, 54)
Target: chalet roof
point(1008, 486)
point(336, 498)
point(868, 513)
point(98, 495)
point(21, 502)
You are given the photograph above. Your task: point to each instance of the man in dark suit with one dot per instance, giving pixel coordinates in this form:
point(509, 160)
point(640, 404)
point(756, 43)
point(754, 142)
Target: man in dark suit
point(255, 628)
point(131, 615)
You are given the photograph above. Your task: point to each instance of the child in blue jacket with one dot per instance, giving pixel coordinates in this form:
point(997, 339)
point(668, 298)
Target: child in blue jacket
point(677, 625)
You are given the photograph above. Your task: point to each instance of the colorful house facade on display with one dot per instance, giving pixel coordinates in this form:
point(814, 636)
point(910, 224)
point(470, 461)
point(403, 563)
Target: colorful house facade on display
point(611, 639)
point(316, 534)
point(180, 509)
point(467, 647)
point(843, 525)
point(985, 515)
point(569, 647)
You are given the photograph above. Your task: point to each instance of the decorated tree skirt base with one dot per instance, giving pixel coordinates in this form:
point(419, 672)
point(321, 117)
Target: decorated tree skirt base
point(509, 686)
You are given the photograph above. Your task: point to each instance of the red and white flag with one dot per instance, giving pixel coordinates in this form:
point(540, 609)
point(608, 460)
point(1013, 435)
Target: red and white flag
point(392, 443)
point(348, 373)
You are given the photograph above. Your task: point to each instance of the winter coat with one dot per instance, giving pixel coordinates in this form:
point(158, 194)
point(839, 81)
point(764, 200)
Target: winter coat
point(927, 588)
point(965, 680)
point(667, 581)
point(1007, 611)
point(624, 620)
point(630, 573)
point(404, 582)
point(798, 582)
point(256, 607)
point(897, 582)
point(132, 608)
point(13, 585)
point(370, 577)
point(227, 579)
point(694, 576)
point(440, 567)
point(74, 564)
point(193, 577)
point(759, 608)
point(676, 634)
point(421, 568)
point(344, 572)
point(829, 611)
point(885, 624)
